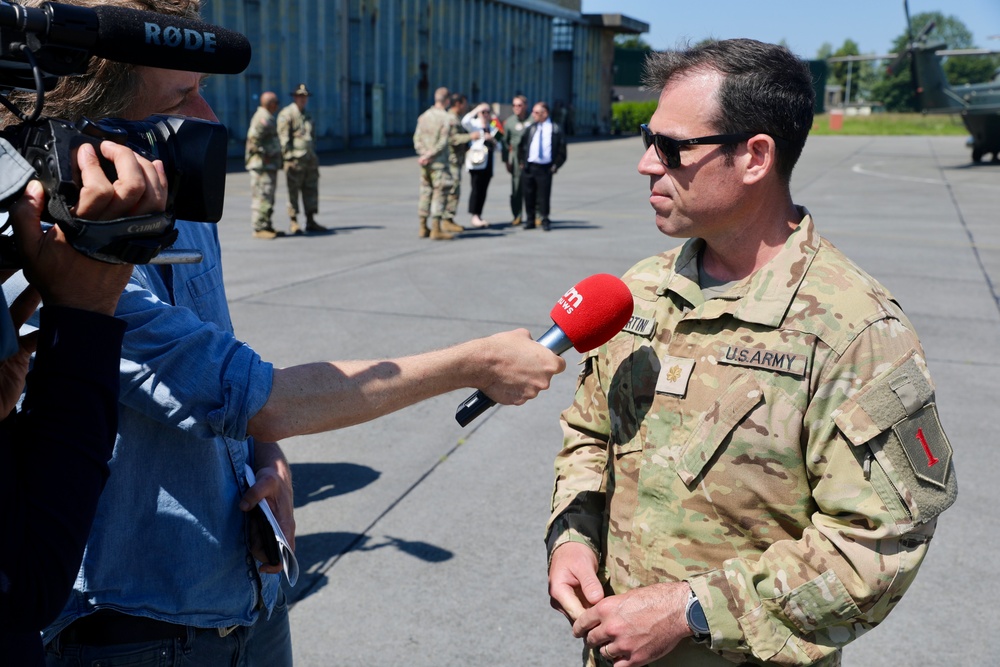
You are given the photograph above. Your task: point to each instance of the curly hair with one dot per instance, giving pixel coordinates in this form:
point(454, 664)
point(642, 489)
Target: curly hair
point(108, 88)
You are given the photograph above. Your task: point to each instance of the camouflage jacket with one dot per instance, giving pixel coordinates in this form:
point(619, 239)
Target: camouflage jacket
point(430, 139)
point(263, 150)
point(295, 131)
point(458, 138)
point(777, 448)
point(513, 129)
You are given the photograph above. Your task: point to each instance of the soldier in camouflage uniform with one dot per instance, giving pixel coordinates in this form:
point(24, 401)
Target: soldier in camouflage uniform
point(458, 140)
point(513, 129)
point(298, 148)
point(752, 469)
point(263, 160)
point(430, 141)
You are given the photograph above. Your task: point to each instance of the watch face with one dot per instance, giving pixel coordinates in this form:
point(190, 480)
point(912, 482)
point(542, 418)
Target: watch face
point(696, 617)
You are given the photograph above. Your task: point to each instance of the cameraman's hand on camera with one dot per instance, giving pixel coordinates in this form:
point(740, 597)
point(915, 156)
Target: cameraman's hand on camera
point(58, 274)
point(141, 186)
point(63, 276)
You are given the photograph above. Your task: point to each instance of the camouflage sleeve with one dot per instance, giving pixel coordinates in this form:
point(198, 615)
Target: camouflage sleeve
point(871, 434)
point(441, 136)
point(254, 136)
point(418, 139)
point(504, 142)
point(256, 126)
point(285, 133)
point(420, 135)
point(458, 135)
point(431, 135)
point(578, 498)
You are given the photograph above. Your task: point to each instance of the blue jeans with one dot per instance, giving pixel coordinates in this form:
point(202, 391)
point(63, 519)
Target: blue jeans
point(266, 643)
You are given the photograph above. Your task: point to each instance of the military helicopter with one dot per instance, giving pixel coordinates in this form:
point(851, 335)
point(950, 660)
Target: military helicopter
point(978, 104)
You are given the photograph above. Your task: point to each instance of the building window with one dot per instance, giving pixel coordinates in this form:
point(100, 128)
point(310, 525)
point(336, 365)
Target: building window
point(562, 34)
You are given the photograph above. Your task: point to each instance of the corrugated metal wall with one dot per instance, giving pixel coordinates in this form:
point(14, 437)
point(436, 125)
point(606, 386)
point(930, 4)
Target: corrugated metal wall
point(372, 65)
point(592, 74)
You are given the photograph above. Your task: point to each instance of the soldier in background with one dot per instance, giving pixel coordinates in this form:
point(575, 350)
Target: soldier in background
point(513, 130)
point(298, 148)
point(753, 468)
point(263, 160)
point(430, 141)
point(458, 141)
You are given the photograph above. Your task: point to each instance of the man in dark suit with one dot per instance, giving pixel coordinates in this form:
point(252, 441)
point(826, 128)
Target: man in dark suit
point(542, 152)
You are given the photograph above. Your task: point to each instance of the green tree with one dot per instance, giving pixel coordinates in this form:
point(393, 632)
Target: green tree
point(947, 29)
point(970, 69)
point(632, 42)
point(895, 89)
point(856, 77)
point(838, 71)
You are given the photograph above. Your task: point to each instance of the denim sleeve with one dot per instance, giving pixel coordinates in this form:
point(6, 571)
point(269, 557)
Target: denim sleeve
point(181, 364)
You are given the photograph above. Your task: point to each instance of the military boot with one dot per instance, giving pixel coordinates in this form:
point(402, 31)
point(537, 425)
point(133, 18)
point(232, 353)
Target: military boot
point(450, 226)
point(425, 231)
point(294, 227)
point(437, 234)
point(313, 226)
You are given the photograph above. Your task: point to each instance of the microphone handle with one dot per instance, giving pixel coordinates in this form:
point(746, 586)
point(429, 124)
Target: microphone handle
point(472, 407)
point(478, 403)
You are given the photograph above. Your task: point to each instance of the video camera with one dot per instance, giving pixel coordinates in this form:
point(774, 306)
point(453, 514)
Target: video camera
point(39, 45)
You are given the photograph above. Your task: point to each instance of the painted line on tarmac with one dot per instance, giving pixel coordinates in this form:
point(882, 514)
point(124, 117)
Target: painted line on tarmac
point(858, 169)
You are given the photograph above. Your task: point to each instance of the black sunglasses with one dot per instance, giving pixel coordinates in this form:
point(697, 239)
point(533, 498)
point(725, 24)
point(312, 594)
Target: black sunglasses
point(669, 150)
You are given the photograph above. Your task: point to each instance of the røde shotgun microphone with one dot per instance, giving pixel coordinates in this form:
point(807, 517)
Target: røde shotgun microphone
point(586, 316)
point(155, 40)
point(129, 36)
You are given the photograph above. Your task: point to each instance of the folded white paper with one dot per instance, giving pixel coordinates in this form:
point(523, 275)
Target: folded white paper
point(288, 561)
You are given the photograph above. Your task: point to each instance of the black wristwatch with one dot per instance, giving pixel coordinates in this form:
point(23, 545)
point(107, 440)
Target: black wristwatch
point(696, 620)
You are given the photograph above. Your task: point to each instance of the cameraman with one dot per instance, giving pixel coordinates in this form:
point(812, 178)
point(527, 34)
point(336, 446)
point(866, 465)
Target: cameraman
point(170, 569)
point(55, 450)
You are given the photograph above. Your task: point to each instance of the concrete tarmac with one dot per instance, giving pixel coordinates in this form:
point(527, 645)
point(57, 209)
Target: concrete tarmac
point(420, 542)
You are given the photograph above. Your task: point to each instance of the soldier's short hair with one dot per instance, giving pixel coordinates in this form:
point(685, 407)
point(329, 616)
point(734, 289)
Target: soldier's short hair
point(765, 88)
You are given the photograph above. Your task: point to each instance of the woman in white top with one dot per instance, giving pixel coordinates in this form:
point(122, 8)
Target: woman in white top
point(479, 158)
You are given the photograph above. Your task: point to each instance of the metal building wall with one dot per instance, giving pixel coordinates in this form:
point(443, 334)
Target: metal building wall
point(372, 65)
point(593, 72)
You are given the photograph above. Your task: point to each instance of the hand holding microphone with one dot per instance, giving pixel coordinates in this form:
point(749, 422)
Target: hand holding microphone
point(586, 316)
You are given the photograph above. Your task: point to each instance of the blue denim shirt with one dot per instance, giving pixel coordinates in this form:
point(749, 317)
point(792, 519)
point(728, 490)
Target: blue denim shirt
point(169, 541)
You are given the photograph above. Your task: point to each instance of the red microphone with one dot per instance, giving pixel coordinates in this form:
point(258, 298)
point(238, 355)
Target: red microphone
point(588, 315)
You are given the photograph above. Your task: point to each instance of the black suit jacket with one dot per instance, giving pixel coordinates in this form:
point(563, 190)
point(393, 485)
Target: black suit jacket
point(558, 144)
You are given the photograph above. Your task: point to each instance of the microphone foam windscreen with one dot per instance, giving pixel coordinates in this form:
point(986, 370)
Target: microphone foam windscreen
point(593, 311)
point(169, 42)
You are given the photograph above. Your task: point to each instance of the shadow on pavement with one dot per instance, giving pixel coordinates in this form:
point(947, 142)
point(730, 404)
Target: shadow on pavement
point(319, 481)
point(318, 552)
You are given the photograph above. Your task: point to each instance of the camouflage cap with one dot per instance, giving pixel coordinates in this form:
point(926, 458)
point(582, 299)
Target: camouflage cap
point(301, 90)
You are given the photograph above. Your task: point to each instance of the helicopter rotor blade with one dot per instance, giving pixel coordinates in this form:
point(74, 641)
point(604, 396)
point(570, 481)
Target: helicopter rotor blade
point(926, 30)
point(909, 28)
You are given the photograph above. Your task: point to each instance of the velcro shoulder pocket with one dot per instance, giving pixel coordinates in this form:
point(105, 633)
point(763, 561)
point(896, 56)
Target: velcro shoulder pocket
point(896, 418)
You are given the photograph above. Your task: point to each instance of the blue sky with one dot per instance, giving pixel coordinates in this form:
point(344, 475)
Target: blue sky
point(804, 25)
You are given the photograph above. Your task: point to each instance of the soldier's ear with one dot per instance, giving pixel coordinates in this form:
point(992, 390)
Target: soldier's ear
point(760, 159)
